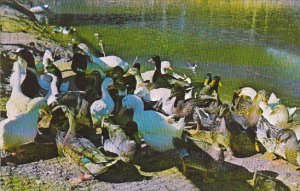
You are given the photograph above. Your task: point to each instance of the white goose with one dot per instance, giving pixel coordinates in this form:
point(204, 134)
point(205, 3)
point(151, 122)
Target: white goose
point(107, 63)
point(21, 129)
point(102, 108)
point(17, 102)
point(158, 130)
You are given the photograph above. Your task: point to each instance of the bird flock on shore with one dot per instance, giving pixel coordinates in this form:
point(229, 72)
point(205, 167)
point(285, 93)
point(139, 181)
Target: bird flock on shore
point(159, 104)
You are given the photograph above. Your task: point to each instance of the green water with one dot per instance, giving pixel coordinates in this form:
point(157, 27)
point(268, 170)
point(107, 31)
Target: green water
point(253, 43)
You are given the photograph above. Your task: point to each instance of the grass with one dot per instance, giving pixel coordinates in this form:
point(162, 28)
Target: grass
point(176, 47)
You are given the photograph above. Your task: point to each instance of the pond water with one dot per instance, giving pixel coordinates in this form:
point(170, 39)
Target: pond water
point(253, 43)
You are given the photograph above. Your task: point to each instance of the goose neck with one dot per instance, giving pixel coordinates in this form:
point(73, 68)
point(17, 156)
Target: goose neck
point(138, 78)
point(105, 93)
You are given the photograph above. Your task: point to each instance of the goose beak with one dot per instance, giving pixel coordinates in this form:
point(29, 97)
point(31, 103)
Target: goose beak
point(151, 61)
point(111, 87)
point(127, 74)
point(51, 59)
point(212, 82)
point(14, 57)
point(170, 68)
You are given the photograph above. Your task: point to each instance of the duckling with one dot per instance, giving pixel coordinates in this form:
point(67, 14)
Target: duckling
point(102, 108)
point(21, 129)
point(157, 129)
point(291, 145)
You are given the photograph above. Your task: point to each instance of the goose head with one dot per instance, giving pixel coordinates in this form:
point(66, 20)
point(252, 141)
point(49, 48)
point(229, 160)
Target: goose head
point(84, 48)
point(247, 91)
point(26, 55)
point(260, 97)
point(131, 71)
point(216, 82)
point(280, 109)
point(155, 60)
point(47, 58)
point(133, 102)
point(36, 103)
point(165, 65)
point(107, 83)
point(286, 136)
point(208, 79)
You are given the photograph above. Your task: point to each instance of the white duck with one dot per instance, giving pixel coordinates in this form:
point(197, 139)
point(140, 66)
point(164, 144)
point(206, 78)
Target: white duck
point(102, 108)
point(107, 63)
point(158, 130)
point(17, 102)
point(21, 129)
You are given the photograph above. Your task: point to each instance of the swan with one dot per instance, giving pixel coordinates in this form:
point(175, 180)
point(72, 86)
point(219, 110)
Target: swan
point(102, 108)
point(157, 129)
point(21, 129)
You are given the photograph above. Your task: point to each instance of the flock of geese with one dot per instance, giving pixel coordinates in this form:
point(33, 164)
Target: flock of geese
point(160, 103)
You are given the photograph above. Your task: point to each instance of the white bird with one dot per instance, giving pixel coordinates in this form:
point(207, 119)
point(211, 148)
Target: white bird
point(39, 9)
point(102, 108)
point(53, 91)
point(21, 129)
point(107, 63)
point(17, 102)
point(154, 94)
point(192, 67)
point(157, 129)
